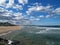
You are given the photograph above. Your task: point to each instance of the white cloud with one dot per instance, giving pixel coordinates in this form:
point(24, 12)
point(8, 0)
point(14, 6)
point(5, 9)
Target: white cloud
point(2, 1)
point(7, 13)
point(37, 3)
point(12, 21)
point(41, 16)
point(11, 2)
point(2, 10)
point(37, 19)
point(7, 5)
point(45, 11)
point(18, 7)
point(25, 22)
point(33, 18)
point(15, 6)
point(18, 16)
point(3, 20)
point(57, 10)
point(23, 1)
point(38, 8)
point(47, 16)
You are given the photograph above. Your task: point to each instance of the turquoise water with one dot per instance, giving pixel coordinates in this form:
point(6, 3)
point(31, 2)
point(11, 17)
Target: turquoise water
point(34, 35)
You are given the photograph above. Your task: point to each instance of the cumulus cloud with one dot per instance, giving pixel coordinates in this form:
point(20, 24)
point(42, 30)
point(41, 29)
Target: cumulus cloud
point(7, 13)
point(10, 16)
point(38, 8)
point(2, 1)
point(2, 10)
point(3, 20)
point(23, 1)
point(57, 10)
point(33, 18)
point(41, 16)
point(11, 2)
point(17, 7)
point(18, 16)
point(6, 5)
point(55, 13)
point(12, 21)
point(37, 19)
point(45, 11)
point(47, 16)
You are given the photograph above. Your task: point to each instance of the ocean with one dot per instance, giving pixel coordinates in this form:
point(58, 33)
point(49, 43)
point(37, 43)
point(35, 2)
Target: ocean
point(36, 35)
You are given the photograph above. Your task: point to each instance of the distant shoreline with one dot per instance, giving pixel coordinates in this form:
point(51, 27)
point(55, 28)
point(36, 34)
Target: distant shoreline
point(57, 26)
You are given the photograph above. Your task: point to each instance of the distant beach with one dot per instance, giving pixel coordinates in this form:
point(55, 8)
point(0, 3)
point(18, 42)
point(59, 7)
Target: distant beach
point(7, 29)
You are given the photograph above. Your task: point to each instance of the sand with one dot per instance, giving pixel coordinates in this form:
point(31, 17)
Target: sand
point(9, 28)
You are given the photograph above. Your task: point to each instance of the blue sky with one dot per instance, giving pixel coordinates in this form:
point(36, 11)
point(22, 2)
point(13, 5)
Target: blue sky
point(30, 12)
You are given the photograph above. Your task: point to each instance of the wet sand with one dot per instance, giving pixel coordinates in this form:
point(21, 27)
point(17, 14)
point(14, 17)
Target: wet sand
point(9, 28)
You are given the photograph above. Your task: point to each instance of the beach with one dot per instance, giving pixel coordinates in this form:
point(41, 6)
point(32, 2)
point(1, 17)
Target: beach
point(9, 28)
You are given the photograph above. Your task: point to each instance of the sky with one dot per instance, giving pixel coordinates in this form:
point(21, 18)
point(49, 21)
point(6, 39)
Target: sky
point(30, 12)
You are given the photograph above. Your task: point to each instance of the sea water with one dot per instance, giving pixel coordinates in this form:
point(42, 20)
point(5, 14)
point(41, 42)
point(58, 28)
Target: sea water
point(35, 35)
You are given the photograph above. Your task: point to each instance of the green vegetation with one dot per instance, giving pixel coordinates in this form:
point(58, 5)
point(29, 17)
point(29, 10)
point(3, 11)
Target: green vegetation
point(6, 24)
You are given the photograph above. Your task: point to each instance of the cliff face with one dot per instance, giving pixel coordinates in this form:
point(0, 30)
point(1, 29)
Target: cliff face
point(6, 24)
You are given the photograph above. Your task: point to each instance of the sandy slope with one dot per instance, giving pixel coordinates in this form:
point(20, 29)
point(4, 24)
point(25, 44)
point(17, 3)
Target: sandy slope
point(9, 28)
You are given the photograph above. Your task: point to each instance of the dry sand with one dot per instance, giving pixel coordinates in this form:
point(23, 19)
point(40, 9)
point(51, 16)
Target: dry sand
point(9, 28)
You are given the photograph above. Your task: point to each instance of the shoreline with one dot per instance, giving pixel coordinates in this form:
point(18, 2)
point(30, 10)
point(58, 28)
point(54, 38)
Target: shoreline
point(4, 29)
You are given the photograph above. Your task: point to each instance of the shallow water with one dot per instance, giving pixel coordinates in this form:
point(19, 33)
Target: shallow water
point(34, 35)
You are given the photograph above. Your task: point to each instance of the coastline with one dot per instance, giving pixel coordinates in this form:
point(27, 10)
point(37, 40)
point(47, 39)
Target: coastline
point(4, 29)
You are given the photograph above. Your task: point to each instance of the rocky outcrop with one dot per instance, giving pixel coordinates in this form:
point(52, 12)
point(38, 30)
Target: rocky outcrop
point(9, 42)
